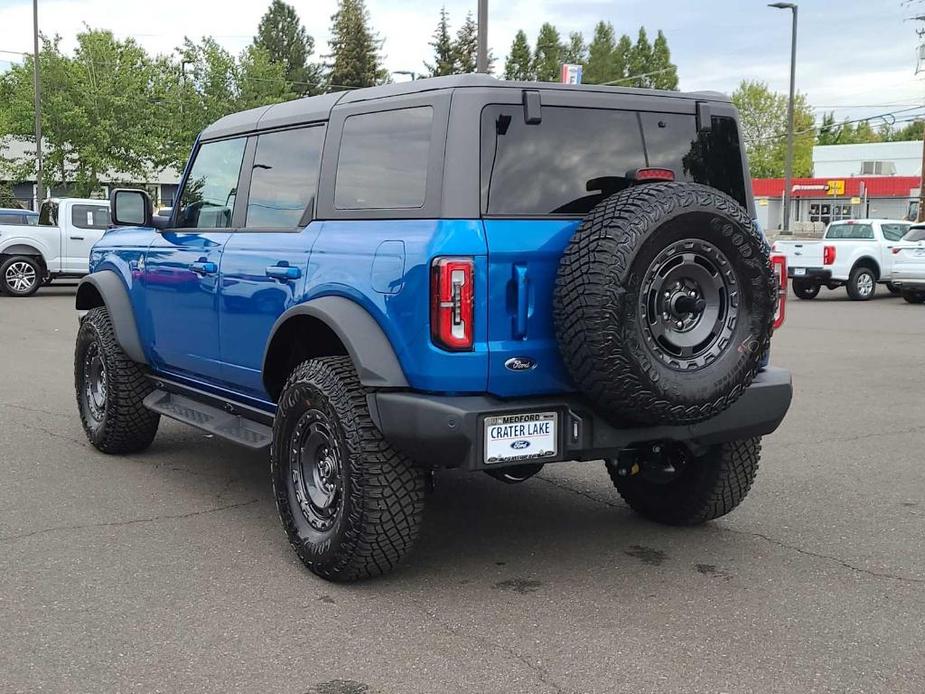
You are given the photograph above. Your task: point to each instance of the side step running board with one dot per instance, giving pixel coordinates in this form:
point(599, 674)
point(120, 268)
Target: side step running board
point(214, 420)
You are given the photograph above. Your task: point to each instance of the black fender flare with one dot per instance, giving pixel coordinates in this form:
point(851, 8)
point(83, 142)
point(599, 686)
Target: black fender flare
point(110, 288)
point(366, 343)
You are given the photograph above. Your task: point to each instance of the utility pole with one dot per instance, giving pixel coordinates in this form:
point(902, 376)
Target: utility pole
point(36, 83)
point(481, 63)
point(921, 215)
point(788, 166)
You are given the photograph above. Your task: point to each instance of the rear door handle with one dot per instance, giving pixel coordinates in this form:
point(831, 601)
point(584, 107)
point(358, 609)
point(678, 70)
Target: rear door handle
point(203, 268)
point(77, 238)
point(284, 272)
point(523, 301)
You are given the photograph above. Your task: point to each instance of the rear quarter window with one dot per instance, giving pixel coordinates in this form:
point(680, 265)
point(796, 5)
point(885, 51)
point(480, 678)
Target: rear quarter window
point(383, 157)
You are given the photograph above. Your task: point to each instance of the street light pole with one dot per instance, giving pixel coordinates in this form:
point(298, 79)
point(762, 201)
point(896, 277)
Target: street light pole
point(481, 63)
point(36, 83)
point(788, 166)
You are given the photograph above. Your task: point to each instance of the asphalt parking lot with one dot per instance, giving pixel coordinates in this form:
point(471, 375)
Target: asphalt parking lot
point(168, 571)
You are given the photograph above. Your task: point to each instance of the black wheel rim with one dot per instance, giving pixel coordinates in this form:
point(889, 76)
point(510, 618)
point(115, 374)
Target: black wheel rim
point(315, 470)
point(689, 304)
point(95, 382)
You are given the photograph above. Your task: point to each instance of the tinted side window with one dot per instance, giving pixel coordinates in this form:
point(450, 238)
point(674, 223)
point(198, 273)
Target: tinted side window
point(715, 159)
point(208, 197)
point(566, 164)
point(284, 177)
point(11, 218)
point(894, 232)
point(90, 216)
point(850, 231)
point(383, 160)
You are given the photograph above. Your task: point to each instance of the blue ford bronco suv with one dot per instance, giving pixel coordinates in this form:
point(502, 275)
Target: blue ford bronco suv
point(457, 272)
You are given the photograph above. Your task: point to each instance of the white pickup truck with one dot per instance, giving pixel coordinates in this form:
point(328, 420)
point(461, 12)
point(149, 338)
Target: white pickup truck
point(59, 246)
point(856, 254)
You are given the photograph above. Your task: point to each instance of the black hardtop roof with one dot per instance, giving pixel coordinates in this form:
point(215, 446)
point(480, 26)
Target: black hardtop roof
point(318, 108)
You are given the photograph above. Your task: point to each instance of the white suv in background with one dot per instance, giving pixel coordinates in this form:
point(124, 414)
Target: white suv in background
point(909, 265)
point(855, 254)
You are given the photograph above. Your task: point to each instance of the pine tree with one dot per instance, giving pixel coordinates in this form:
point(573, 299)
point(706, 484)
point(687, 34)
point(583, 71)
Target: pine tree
point(547, 58)
point(443, 48)
point(600, 66)
point(355, 60)
point(285, 41)
point(575, 53)
point(466, 46)
point(519, 63)
point(661, 60)
point(621, 61)
point(640, 62)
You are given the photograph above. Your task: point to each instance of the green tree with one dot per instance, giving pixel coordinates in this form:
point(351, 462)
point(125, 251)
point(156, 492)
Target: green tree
point(355, 60)
point(763, 120)
point(912, 131)
point(575, 52)
point(547, 58)
point(261, 80)
point(640, 62)
point(519, 63)
point(286, 42)
point(601, 67)
point(466, 46)
point(621, 61)
point(665, 73)
point(444, 63)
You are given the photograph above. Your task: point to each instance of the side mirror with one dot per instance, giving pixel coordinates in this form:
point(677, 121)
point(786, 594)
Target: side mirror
point(130, 207)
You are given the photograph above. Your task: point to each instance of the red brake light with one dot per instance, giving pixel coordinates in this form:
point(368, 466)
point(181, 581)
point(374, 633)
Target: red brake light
point(828, 255)
point(451, 303)
point(897, 251)
point(653, 174)
point(779, 263)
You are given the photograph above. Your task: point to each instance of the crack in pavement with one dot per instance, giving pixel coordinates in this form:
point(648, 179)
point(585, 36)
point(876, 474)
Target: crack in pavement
point(53, 434)
point(132, 521)
point(541, 673)
point(859, 437)
point(36, 410)
point(766, 538)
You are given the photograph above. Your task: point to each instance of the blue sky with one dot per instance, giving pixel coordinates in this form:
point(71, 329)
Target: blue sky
point(854, 56)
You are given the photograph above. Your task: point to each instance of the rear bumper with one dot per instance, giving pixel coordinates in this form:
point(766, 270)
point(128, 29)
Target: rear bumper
point(817, 274)
point(447, 431)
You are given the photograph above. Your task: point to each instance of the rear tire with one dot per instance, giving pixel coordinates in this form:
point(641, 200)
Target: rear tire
point(862, 284)
point(805, 289)
point(351, 505)
point(914, 296)
point(21, 276)
point(110, 389)
point(708, 486)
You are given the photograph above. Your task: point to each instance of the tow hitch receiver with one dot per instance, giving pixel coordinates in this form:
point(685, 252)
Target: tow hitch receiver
point(658, 462)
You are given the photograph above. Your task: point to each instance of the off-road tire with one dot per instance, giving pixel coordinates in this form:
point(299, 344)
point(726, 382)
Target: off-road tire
point(381, 493)
point(711, 485)
point(126, 425)
point(600, 323)
point(38, 273)
point(856, 276)
point(805, 289)
point(914, 296)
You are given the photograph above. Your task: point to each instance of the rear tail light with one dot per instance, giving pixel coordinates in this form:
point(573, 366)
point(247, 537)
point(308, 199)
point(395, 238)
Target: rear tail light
point(652, 174)
point(828, 255)
point(779, 263)
point(451, 304)
point(897, 251)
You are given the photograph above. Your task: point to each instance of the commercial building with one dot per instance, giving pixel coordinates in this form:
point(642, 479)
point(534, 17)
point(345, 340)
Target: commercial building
point(878, 179)
point(161, 185)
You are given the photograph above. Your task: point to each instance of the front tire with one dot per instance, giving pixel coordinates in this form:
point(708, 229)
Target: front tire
point(351, 505)
point(804, 289)
point(110, 389)
point(21, 276)
point(862, 284)
point(702, 488)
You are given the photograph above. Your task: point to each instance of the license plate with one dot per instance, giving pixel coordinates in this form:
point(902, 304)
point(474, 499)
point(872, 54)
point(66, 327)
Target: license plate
point(799, 271)
point(515, 437)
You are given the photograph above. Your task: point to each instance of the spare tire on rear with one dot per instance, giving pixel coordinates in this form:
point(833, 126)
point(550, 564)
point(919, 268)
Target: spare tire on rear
point(664, 304)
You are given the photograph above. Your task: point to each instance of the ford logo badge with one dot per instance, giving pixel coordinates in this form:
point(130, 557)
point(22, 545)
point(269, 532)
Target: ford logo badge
point(520, 445)
point(519, 364)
